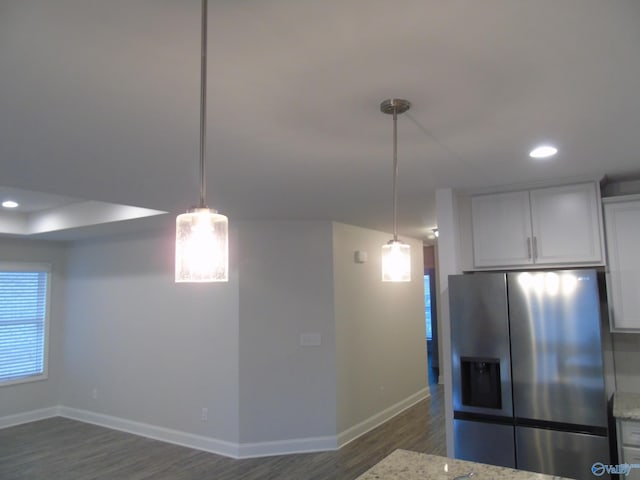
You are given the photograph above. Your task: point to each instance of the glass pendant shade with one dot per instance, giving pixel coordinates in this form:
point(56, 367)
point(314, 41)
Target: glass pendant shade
point(396, 262)
point(202, 246)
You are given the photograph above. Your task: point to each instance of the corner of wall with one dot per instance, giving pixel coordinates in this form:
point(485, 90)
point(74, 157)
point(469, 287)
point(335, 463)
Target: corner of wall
point(380, 330)
point(448, 264)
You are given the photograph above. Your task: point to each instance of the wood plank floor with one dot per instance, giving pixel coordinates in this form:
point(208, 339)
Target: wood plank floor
point(63, 449)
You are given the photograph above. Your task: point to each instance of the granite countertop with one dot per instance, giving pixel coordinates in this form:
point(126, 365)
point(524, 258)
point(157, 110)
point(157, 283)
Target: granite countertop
point(626, 405)
point(405, 465)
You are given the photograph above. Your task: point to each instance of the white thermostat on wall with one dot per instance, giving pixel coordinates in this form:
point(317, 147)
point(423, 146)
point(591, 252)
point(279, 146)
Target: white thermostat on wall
point(360, 256)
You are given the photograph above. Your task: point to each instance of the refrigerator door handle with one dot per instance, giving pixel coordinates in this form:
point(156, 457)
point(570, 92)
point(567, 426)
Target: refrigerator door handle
point(528, 247)
point(535, 248)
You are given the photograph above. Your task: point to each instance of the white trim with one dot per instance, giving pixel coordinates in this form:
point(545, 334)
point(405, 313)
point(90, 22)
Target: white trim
point(286, 447)
point(213, 445)
point(621, 198)
point(554, 182)
point(199, 442)
point(25, 266)
point(351, 433)
point(26, 417)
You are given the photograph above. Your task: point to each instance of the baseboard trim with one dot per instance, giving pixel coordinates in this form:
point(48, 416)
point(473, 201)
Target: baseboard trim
point(199, 442)
point(351, 433)
point(214, 445)
point(31, 416)
point(286, 447)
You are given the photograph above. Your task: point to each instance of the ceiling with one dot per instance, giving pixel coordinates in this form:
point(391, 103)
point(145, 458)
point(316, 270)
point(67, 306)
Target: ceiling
point(99, 100)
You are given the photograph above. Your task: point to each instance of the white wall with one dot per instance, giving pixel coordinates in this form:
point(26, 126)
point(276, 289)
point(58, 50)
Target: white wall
point(287, 391)
point(380, 329)
point(155, 352)
point(449, 263)
point(142, 353)
point(16, 399)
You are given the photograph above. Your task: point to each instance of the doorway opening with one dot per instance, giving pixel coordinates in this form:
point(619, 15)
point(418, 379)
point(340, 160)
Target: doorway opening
point(430, 315)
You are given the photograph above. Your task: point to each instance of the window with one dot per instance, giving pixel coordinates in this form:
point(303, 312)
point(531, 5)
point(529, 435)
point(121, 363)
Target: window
point(24, 325)
point(427, 305)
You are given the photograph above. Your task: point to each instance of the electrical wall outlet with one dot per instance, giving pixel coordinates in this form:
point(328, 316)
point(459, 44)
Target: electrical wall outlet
point(310, 339)
point(204, 415)
point(94, 393)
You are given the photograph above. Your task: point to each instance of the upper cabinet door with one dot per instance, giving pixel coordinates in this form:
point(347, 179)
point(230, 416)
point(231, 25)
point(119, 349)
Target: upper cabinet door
point(622, 221)
point(501, 229)
point(566, 225)
point(544, 227)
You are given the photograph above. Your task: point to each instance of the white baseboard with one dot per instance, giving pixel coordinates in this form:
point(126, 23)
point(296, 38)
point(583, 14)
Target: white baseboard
point(26, 417)
point(379, 418)
point(213, 445)
point(199, 442)
point(286, 447)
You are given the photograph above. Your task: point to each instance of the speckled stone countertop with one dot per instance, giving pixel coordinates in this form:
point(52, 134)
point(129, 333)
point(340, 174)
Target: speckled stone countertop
point(626, 405)
point(405, 465)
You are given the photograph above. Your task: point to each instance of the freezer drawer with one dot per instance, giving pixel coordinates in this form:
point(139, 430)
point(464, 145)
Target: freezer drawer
point(565, 454)
point(484, 442)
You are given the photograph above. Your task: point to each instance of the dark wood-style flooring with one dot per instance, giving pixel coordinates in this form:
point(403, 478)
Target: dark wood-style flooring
point(63, 449)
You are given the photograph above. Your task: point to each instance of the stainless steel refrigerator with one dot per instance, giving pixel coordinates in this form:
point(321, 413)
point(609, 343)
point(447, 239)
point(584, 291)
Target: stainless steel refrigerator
point(527, 367)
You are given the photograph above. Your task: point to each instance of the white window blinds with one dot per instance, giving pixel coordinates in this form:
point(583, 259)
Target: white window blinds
point(23, 322)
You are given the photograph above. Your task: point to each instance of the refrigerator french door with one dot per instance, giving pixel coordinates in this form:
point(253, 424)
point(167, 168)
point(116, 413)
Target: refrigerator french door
point(528, 379)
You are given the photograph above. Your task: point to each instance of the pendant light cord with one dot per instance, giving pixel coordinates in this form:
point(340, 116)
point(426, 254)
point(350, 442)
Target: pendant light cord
point(203, 105)
point(395, 106)
point(395, 174)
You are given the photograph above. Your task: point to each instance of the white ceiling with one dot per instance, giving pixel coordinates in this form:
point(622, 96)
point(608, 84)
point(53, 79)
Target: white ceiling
point(99, 100)
point(58, 217)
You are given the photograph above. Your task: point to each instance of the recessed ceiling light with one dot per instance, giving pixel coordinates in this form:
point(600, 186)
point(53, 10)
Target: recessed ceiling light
point(543, 151)
point(9, 204)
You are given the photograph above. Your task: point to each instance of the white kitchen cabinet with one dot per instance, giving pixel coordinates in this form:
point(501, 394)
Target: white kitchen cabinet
point(566, 224)
point(622, 233)
point(629, 446)
point(501, 229)
point(553, 226)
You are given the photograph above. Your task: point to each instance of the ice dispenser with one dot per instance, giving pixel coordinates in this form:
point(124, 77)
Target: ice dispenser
point(481, 382)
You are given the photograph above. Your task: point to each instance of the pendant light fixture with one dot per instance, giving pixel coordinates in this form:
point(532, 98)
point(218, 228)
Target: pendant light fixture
point(396, 255)
point(202, 234)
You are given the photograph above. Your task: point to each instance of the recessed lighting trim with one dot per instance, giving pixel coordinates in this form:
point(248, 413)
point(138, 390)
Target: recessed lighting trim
point(543, 151)
point(10, 204)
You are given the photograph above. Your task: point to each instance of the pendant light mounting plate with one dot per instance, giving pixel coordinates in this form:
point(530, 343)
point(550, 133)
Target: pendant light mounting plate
point(397, 105)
